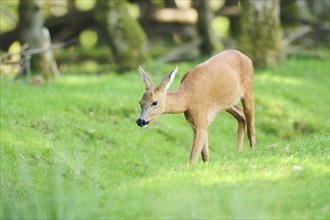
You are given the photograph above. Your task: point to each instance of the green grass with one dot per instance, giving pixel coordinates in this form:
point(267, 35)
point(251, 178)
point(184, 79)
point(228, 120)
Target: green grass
point(70, 149)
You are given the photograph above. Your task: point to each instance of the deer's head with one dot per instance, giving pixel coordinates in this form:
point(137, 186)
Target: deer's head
point(153, 100)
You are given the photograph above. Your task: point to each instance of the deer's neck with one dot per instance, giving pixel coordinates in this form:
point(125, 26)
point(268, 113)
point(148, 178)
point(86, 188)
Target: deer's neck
point(176, 102)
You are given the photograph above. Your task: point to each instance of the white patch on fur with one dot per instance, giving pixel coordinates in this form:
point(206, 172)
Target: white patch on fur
point(215, 110)
point(212, 113)
point(172, 76)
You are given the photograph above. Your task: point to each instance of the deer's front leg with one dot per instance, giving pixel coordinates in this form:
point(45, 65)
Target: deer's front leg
point(199, 146)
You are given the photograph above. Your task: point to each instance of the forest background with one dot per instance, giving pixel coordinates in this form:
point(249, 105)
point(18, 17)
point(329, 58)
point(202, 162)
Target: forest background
point(69, 101)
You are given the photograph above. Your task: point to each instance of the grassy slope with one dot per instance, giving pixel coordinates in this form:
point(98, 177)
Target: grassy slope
point(71, 149)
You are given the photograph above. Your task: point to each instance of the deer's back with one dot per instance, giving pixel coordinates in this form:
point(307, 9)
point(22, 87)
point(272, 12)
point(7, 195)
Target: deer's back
point(218, 81)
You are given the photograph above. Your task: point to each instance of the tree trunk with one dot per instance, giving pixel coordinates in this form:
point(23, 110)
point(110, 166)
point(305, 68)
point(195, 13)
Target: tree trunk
point(71, 5)
point(170, 4)
point(125, 36)
point(320, 9)
point(261, 34)
point(209, 43)
point(294, 11)
point(234, 28)
point(31, 32)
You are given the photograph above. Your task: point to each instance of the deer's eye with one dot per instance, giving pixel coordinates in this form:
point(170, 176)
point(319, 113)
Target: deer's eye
point(155, 103)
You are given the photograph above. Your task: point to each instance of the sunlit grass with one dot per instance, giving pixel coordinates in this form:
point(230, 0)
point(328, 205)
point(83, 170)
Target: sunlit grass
point(71, 149)
point(267, 77)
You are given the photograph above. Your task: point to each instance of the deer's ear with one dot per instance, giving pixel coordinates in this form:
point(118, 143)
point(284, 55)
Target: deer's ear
point(146, 79)
point(166, 82)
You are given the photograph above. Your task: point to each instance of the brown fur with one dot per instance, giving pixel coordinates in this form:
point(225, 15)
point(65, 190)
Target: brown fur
point(212, 86)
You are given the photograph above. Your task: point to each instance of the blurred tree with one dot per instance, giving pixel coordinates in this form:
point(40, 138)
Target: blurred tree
point(126, 38)
point(306, 22)
point(209, 43)
point(320, 9)
point(170, 4)
point(30, 23)
point(293, 10)
point(261, 33)
point(234, 18)
point(31, 32)
point(71, 5)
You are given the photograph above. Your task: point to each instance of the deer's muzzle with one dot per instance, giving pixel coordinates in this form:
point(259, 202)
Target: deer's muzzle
point(142, 123)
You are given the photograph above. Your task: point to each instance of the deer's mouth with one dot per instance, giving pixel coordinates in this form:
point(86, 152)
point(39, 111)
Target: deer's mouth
point(142, 123)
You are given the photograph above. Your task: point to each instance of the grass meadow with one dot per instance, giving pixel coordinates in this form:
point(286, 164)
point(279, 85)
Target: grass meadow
point(70, 149)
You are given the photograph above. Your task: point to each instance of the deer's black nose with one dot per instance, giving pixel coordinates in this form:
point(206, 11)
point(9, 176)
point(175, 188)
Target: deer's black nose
point(141, 123)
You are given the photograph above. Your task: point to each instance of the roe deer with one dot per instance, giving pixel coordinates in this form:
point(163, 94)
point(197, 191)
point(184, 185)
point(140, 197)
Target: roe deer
point(212, 86)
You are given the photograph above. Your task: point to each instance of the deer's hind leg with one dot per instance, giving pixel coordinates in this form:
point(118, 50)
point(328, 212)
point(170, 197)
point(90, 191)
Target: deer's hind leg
point(248, 107)
point(238, 113)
